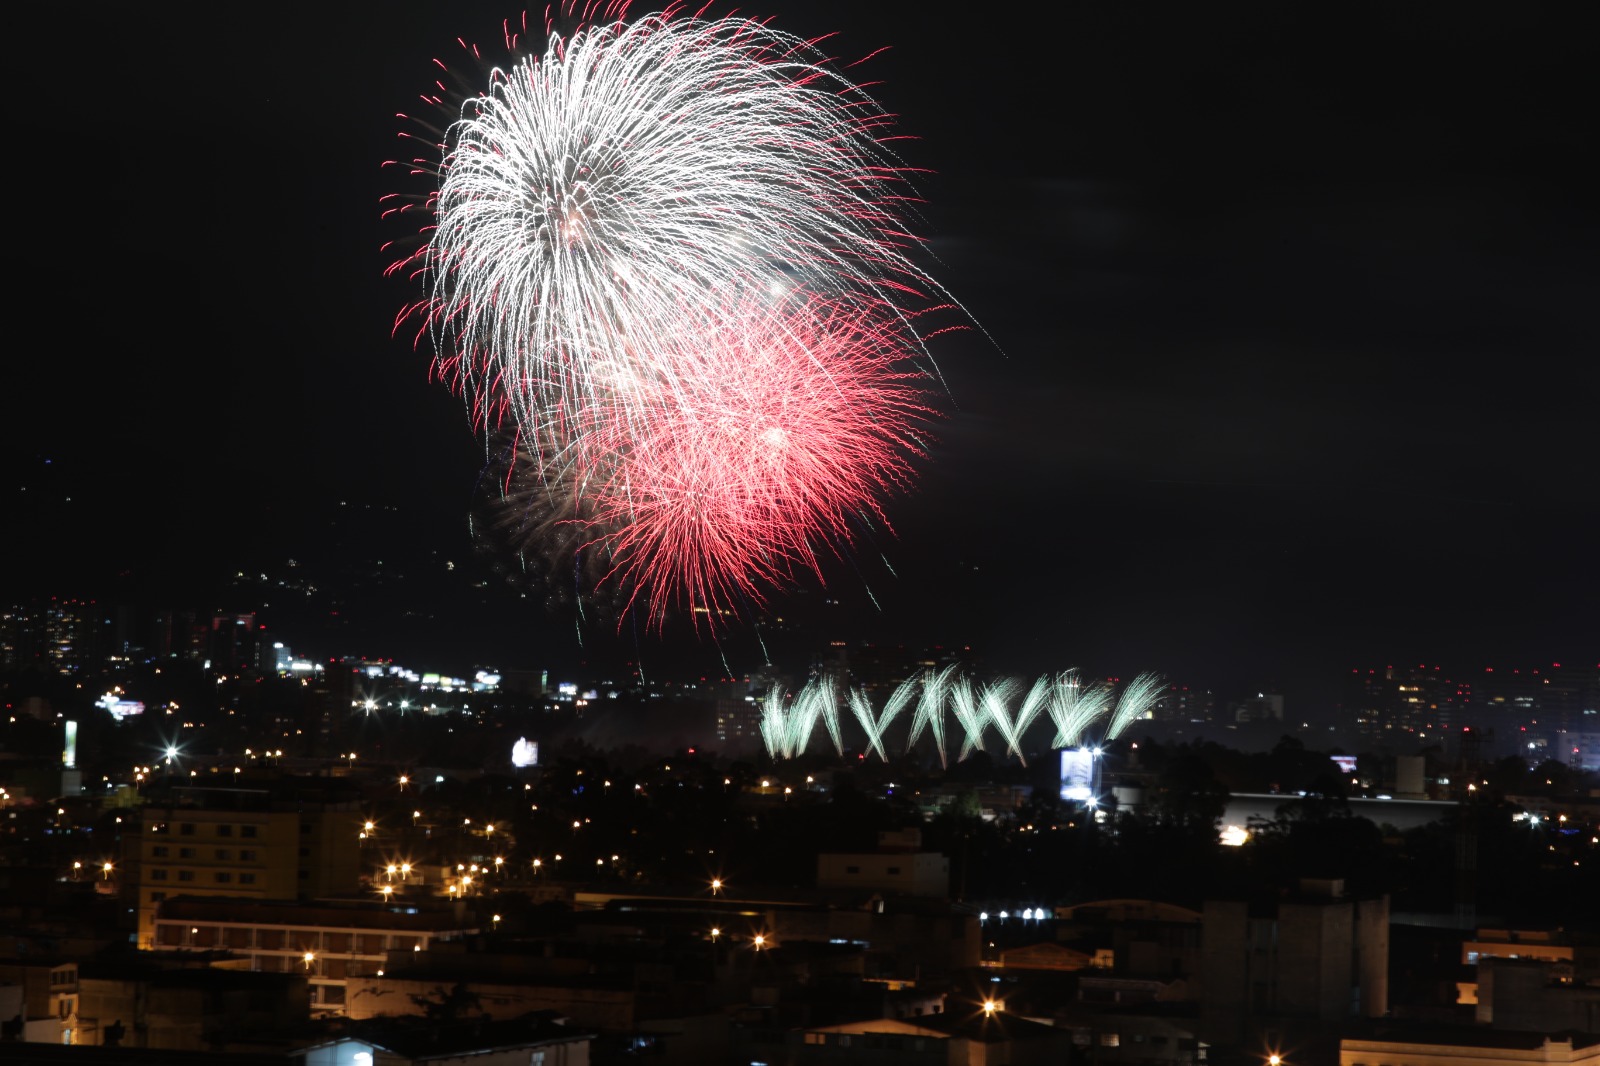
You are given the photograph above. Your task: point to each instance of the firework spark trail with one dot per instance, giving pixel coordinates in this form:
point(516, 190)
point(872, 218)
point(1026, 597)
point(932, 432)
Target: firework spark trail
point(1074, 706)
point(826, 702)
point(1013, 729)
point(1136, 701)
point(861, 705)
point(776, 716)
point(969, 711)
point(930, 708)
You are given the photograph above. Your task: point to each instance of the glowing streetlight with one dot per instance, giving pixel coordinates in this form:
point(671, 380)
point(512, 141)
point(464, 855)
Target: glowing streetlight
point(990, 1006)
point(536, 864)
point(715, 932)
point(388, 891)
point(716, 886)
point(308, 958)
point(759, 941)
point(390, 869)
point(106, 870)
point(404, 781)
point(76, 866)
point(405, 870)
point(497, 921)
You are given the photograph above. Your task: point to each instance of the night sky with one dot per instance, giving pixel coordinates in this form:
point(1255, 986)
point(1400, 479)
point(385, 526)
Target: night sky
point(1290, 315)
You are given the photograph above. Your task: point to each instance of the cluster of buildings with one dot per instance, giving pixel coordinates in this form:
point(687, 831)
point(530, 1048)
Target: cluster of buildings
point(247, 924)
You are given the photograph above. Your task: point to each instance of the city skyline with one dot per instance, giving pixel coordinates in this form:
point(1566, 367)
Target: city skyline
point(1284, 359)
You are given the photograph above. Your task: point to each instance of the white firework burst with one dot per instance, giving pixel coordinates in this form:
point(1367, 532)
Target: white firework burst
point(603, 201)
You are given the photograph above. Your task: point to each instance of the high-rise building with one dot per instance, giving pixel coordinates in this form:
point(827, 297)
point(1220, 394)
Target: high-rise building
point(1185, 704)
point(1395, 703)
point(1315, 957)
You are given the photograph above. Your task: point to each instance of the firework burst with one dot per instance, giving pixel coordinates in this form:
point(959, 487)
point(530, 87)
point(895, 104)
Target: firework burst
point(637, 173)
point(673, 254)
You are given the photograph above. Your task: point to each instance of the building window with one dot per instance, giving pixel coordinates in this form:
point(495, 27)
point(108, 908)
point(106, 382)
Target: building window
point(186, 829)
point(305, 853)
point(159, 852)
point(223, 854)
point(894, 869)
point(1110, 1040)
point(247, 879)
point(158, 875)
point(224, 830)
point(246, 855)
point(186, 875)
point(852, 869)
point(224, 878)
point(247, 831)
point(185, 853)
point(157, 897)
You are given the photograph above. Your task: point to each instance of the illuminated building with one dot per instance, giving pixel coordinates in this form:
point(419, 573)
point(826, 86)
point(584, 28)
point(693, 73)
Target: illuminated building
point(293, 842)
point(1468, 1047)
point(325, 943)
point(1401, 702)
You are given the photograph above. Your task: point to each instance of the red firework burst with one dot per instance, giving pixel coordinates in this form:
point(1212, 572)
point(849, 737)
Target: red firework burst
point(780, 442)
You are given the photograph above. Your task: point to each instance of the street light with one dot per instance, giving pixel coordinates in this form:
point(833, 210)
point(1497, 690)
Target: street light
point(759, 940)
point(106, 869)
point(716, 886)
point(309, 957)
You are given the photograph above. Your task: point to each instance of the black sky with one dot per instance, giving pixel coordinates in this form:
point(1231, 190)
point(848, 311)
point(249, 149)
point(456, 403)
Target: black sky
point(1292, 320)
